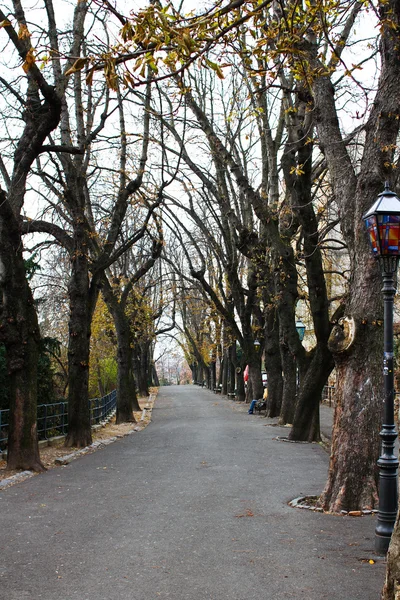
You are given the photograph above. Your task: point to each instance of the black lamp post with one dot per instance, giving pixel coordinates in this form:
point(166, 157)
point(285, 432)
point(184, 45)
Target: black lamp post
point(383, 225)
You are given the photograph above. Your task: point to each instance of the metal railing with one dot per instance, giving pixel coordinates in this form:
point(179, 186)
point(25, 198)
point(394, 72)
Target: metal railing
point(100, 408)
point(328, 395)
point(52, 419)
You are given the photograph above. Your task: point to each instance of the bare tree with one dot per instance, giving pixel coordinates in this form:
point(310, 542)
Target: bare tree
point(41, 103)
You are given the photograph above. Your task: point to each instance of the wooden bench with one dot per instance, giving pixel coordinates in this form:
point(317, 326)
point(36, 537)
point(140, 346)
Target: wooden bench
point(217, 390)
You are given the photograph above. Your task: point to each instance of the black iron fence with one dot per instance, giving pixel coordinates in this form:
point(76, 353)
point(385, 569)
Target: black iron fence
point(52, 419)
point(328, 395)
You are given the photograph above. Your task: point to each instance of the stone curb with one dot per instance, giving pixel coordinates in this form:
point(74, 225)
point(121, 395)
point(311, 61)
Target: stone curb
point(16, 478)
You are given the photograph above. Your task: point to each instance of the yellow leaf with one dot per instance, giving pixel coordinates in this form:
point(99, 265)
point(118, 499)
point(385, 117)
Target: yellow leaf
point(77, 66)
point(29, 60)
point(5, 23)
point(371, 562)
point(89, 77)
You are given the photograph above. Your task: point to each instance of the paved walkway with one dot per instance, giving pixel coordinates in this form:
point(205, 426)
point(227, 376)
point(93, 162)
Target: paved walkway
point(192, 508)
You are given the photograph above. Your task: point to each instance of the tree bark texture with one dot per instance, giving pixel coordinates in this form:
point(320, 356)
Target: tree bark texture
point(141, 362)
point(21, 336)
point(232, 369)
point(154, 376)
point(306, 417)
point(289, 396)
point(273, 364)
point(127, 401)
point(353, 474)
point(224, 369)
point(391, 588)
point(79, 426)
point(257, 387)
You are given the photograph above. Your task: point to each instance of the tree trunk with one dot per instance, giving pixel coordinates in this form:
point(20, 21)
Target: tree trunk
point(231, 368)
point(255, 378)
point(220, 370)
point(275, 386)
point(289, 396)
point(273, 365)
point(79, 426)
point(240, 388)
point(213, 375)
point(154, 377)
point(193, 368)
point(142, 375)
point(21, 337)
point(391, 589)
point(126, 389)
point(224, 389)
point(201, 374)
point(353, 473)
point(306, 417)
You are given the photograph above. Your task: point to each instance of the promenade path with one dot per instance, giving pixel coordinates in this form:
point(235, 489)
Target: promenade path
point(194, 507)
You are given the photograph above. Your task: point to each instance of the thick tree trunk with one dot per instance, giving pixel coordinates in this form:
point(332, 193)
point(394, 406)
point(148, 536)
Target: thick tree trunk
point(201, 374)
point(391, 589)
point(141, 370)
point(306, 417)
point(256, 379)
point(289, 396)
point(273, 365)
point(249, 391)
point(79, 426)
point(213, 375)
point(126, 389)
point(220, 370)
point(21, 338)
point(352, 479)
point(231, 368)
point(224, 389)
point(154, 376)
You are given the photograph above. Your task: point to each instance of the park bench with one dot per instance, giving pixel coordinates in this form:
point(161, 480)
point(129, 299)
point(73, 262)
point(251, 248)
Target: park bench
point(231, 395)
point(217, 390)
point(260, 405)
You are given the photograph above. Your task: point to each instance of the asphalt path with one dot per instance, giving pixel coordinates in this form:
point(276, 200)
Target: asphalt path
point(194, 507)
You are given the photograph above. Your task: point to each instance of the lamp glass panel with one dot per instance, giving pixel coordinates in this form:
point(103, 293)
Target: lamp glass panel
point(301, 331)
point(389, 233)
point(373, 237)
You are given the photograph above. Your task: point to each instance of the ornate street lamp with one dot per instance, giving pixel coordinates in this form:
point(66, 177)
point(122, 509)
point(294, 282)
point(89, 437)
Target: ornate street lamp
point(257, 345)
point(383, 225)
point(301, 329)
